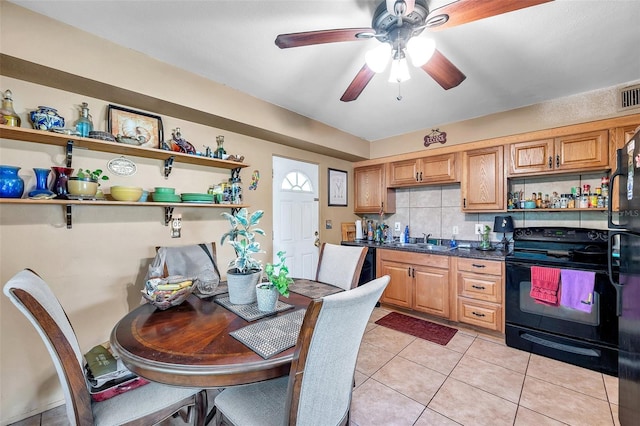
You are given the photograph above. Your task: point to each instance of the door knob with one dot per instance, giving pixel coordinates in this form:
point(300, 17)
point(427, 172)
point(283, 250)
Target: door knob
point(317, 241)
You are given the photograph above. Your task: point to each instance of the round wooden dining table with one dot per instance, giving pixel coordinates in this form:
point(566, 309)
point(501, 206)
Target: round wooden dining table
point(190, 345)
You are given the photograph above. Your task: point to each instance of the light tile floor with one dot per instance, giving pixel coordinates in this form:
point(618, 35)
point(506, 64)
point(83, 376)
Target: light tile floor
point(474, 380)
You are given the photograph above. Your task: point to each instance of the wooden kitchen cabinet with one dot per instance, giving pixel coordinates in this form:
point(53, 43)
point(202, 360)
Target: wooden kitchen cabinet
point(573, 153)
point(418, 281)
point(483, 180)
point(480, 293)
point(371, 192)
point(431, 170)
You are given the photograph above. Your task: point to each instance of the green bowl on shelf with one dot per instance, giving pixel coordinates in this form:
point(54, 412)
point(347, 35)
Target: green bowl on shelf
point(197, 198)
point(165, 198)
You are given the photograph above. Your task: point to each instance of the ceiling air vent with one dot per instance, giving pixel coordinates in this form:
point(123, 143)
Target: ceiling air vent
point(629, 97)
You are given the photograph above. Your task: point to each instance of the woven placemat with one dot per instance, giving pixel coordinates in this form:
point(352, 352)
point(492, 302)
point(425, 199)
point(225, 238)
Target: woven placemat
point(221, 289)
point(272, 336)
point(250, 312)
point(313, 289)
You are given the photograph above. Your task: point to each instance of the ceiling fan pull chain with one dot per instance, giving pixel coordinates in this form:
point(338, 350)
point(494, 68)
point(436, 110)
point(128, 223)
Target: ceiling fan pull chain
point(399, 97)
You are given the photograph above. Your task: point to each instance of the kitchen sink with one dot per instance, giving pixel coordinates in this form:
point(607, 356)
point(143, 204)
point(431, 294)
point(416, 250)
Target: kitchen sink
point(422, 246)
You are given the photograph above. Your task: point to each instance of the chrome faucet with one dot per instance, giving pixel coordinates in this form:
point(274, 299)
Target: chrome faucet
point(426, 237)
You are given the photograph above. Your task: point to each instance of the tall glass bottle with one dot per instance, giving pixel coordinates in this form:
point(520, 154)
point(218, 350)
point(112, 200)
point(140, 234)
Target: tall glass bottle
point(7, 111)
point(84, 124)
point(220, 150)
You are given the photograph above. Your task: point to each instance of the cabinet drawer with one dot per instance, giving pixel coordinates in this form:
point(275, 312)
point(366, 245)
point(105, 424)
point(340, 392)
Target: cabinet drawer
point(479, 266)
point(481, 314)
point(482, 287)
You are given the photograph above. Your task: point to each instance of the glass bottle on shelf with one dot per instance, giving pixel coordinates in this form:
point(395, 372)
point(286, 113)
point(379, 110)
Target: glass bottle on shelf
point(7, 111)
point(220, 150)
point(84, 125)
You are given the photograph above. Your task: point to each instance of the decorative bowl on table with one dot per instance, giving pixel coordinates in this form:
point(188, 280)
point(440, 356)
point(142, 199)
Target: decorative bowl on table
point(126, 193)
point(164, 293)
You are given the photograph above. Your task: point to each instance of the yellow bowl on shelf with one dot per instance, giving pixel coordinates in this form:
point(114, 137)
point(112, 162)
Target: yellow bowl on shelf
point(126, 193)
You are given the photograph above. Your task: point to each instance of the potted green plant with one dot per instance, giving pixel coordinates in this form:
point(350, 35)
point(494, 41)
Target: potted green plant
point(278, 283)
point(86, 183)
point(244, 271)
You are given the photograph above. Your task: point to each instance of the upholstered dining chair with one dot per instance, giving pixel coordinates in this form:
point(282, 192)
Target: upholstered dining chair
point(318, 388)
point(146, 405)
point(340, 265)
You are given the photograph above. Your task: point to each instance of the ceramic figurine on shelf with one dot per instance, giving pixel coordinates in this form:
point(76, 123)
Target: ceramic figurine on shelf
point(179, 144)
point(8, 113)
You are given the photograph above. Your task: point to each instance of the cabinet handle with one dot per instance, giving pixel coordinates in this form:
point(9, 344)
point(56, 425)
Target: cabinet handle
point(420, 176)
point(417, 180)
point(478, 287)
point(550, 162)
point(409, 271)
point(413, 272)
point(464, 203)
point(477, 314)
point(475, 265)
point(558, 160)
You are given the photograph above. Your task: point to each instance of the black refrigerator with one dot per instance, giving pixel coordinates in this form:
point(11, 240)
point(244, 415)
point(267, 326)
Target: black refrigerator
point(624, 253)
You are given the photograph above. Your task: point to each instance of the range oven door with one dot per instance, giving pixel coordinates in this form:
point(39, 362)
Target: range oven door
point(586, 339)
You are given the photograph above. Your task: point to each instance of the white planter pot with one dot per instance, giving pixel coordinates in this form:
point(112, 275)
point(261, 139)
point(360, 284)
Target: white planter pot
point(242, 287)
point(267, 298)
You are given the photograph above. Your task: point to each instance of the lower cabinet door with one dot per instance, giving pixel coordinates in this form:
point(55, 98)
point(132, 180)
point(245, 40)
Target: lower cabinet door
point(431, 291)
point(398, 291)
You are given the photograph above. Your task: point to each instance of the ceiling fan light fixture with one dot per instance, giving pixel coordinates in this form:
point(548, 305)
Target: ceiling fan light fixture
point(400, 7)
point(378, 58)
point(399, 71)
point(420, 50)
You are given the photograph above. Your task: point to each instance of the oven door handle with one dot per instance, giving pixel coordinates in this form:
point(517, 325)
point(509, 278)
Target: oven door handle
point(616, 285)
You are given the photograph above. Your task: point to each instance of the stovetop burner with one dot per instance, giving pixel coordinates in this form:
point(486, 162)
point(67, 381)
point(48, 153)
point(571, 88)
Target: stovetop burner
point(577, 247)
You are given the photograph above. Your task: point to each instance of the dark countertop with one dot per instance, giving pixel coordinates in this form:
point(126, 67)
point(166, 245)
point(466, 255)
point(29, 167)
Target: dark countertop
point(457, 252)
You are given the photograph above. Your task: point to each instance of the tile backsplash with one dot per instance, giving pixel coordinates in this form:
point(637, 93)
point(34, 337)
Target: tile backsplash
point(436, 210)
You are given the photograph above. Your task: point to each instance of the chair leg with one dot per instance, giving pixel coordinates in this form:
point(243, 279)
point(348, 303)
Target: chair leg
point(200, 409)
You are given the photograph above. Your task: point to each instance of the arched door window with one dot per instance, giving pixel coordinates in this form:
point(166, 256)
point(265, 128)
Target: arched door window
point(296, 181)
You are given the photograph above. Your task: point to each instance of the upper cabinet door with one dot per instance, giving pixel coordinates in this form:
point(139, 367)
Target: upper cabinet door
point(531, 157)
point(482, 184)
point(402, 173)
point(582, 152)
point(371, 192)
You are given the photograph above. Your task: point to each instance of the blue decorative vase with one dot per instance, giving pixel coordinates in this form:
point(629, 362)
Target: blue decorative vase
point(46, 118)
point(11, 185)
point(41, 191)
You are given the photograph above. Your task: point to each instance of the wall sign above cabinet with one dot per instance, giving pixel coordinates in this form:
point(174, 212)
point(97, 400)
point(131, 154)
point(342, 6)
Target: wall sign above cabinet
point(436, 136)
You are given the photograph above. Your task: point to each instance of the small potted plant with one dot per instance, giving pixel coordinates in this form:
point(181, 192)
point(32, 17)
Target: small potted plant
point(244, 271)
point(86, 183)
point(278, 283)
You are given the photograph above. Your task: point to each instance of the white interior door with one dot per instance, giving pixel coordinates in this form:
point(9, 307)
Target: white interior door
point(295, 215)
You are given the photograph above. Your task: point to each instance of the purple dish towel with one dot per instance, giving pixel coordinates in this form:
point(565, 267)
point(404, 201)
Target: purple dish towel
point(577, 289)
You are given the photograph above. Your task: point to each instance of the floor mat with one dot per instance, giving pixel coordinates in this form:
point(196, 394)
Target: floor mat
point(423, 329)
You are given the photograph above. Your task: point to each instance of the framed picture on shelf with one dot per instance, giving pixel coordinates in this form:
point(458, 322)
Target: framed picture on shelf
point(135, 127)
point(337, 188)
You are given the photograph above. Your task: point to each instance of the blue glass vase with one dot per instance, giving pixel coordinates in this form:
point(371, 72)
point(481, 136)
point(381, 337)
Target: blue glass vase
point(41, 191)
point(11, 185)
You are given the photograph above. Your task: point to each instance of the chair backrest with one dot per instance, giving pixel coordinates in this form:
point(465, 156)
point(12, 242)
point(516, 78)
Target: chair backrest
point(321, 376)
point(340, 265)
point(188, 260)
point(33, 297)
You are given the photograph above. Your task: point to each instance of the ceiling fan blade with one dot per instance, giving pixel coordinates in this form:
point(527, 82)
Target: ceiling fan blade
point(358, 84)
point(285, 41)
point(464, 11)
point(443, 71)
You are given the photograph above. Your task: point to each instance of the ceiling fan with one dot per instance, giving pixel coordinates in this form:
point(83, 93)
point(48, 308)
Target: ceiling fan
point(396, 24)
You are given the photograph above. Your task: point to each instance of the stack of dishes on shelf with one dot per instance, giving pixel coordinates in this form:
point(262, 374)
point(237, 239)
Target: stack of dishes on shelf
point(197, 198)
point(165, 195)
